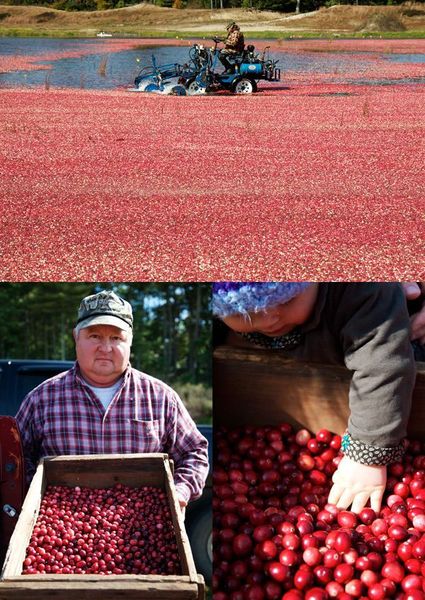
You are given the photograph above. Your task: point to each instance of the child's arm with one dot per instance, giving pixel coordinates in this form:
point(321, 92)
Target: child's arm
point(375, 340)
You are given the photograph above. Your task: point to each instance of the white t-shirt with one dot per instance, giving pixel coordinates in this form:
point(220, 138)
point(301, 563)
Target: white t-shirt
point(105, 394)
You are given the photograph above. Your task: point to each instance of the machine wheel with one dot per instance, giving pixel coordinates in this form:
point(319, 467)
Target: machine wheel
point(244, 86)
point(152, 87)
point(200, 535)
point(178, 90)
point(194, 88)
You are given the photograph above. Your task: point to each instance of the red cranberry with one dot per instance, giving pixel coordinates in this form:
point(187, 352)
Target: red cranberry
point(323, 574)
point(331, 558)
point(262, 533)
point(343, 573)
point(334, 589)
point(411, 582)
point(419, 522)
point(354, 588)
point(302, 436)
point(393, 571)
point(324, 436)
point(367, 516)
point(291, 541)
point(376, 592)
point(342, 542)
point(266, 550)
point(316, 593)
point(397, 533)
point(418, 549)
point(312, 556)
point(369, 577)
point(288, 557)
point(242, 544)
point(278, 571)
point(303, 579)
point(347, 519)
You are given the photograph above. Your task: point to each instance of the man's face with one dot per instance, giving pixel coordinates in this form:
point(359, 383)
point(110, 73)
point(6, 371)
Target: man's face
point(103, 353)
point(279, 319)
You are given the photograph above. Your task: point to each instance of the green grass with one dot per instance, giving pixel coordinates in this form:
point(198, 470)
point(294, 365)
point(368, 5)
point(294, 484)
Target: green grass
point(267, 35)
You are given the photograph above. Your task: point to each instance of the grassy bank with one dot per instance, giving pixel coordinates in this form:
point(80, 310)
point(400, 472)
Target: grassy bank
point(265, 35)
point(147, 20)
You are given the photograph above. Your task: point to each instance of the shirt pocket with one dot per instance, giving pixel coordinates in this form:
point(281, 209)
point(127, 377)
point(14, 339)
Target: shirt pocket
point(146, 436)
point(147, 428)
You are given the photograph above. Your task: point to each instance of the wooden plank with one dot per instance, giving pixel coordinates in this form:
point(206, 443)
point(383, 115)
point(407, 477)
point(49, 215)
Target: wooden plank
point(256, 386)
point(100, 580)
point(22, 534)
point(201, 588)
point(105, 470)
point(108, 590)
point(185, 552)
point(12, 480)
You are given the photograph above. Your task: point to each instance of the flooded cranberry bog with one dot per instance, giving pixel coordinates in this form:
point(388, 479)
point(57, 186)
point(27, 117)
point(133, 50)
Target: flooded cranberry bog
point(317, 176)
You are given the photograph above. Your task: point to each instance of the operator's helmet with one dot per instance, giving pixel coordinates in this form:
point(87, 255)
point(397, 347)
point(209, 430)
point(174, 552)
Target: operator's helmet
point(232, 25)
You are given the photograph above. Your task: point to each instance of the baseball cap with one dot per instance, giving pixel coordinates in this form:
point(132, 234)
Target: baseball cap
point(105, 308)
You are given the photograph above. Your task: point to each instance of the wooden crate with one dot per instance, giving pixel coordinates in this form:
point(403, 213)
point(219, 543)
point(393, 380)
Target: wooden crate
point(134, 470)
point(260, 387)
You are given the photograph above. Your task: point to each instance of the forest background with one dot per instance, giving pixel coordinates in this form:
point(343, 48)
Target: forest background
point(172, 330)
point(272, 5)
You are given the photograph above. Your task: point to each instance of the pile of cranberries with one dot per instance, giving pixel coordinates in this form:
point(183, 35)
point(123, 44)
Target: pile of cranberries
point(116, 531)
point(276, 538)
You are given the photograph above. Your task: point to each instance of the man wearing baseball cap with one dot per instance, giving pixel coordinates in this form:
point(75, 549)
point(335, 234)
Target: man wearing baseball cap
point(102, 405)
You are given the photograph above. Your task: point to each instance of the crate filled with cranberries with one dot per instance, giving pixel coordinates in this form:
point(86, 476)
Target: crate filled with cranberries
point(104, 526)
point(277, 538)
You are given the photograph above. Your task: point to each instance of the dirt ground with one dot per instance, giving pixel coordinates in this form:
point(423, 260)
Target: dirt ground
point(144, 18)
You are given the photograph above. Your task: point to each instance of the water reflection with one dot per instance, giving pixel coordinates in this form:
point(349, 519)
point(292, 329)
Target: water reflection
point(100, 70)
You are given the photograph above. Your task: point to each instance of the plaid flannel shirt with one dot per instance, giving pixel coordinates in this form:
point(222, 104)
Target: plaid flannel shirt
point(64, 416)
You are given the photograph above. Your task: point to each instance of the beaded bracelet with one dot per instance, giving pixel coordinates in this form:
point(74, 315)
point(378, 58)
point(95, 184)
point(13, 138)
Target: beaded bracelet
point(370, 455)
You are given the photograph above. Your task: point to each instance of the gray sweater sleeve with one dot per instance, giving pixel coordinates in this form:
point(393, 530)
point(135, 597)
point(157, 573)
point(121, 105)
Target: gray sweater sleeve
point(375, 340)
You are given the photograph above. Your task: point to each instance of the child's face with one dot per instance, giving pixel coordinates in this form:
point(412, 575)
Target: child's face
point(279, 319)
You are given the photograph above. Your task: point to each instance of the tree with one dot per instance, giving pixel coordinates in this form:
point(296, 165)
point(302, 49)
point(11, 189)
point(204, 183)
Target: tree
point(172, 325)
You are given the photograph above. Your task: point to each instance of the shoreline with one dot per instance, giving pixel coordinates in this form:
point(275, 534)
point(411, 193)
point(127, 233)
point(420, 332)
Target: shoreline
point(276, 35)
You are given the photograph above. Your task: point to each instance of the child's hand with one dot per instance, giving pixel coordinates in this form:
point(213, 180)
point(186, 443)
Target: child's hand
point(355, 484)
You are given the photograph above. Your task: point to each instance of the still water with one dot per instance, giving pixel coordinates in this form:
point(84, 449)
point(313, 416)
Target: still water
point(96, 68)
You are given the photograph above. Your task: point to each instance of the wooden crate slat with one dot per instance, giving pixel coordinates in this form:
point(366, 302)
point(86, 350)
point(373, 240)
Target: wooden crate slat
point(77, 590)
point(110, 469)
point(257, 386)
point(185, 553)
point(22, 534)
point(100, 580)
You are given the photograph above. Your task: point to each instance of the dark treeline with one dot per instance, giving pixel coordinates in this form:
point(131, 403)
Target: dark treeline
point(172, 325)
point(276, 5)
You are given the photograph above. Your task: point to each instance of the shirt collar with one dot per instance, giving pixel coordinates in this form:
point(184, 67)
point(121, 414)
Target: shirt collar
point(80, 379)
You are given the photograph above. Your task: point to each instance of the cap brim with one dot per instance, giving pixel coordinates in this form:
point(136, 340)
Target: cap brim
point(105, 320)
